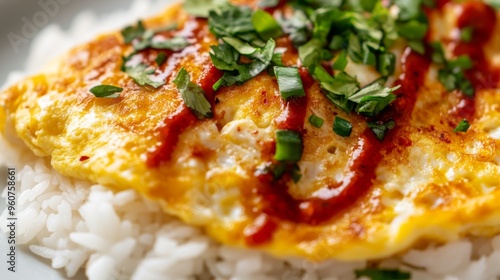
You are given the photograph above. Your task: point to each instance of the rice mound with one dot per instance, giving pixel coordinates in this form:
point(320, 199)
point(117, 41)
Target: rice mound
point(121, 235)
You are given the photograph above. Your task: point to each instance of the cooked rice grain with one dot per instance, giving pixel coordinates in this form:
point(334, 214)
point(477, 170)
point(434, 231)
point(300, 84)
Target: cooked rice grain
point(120, 235)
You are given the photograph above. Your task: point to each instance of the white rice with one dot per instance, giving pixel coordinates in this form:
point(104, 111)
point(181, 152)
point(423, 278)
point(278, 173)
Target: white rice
point(120, 235)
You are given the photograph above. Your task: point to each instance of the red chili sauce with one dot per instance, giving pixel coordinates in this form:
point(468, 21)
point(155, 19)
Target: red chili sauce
point(183, 118)
point(482, 19)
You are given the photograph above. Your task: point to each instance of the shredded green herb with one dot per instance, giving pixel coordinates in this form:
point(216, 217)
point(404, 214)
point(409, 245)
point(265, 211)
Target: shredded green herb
point(463, 126)
point(193, 95)
point(380, 128)
point(106, 91)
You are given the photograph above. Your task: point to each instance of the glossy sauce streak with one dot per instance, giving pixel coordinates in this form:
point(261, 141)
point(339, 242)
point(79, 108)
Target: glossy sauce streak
point(277, 204)
point(482, 19)
point(183, 118)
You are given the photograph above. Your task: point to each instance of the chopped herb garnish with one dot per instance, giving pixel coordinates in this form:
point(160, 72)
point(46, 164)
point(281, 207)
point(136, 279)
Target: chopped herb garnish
point(266, 25)
point(341, 62)
point(226, 58)
point(200, 8)
point(268, 3)
point(383, 274)
point(380, 128)
point(289, 82)
point(133, 32)
point(297, 27)
point(452, 74)
point(295, 173)
point(463, 126)
point(236, 22)
point(466, 34)
point(174, 44)
point(288, 146)
point(193, 95)
point(143, 75)
point(342, 127)
point(161, 58)
point(106, 91)
point(316, 121)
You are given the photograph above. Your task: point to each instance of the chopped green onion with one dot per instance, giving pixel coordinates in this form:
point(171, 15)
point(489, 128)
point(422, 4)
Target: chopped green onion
point(265, 25)
point(289, 82)
point(288, 146)
point(316, 121)
point(295, 173)
point(106, 91)
point(383, 274)
point(463, 126)
point(342, 127)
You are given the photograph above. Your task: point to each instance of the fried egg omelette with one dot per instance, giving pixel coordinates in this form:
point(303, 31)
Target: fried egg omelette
point(261, 146)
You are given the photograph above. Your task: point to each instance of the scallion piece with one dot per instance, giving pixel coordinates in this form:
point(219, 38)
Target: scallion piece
point(288, 146)
point(342, 127)
point(316, 121)
point(463, 126)
point(383, 274)
point(289, 82)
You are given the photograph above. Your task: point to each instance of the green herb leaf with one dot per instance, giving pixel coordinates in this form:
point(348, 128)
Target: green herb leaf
point(383, 274)
point(143, 75)
point(380, 128)
point(412, 30)
point(289, 82)
point(266, 25)
point(237, 73)
point(295, 173)
point(240, 46)
point(316, 121)
point(342, 127)
point(200, 8)
point(133, 32)
point(161, 58)
point(463, 126)
point(268, 3)
point(341, 62)
point(288, 146)
point(310, 53)
point(236, 22)
point(452, 74)
point(466, 34)
point(193, 95)
point(297, 27)
point(386, 64)
point(174, 44)
point(493, 3)
point(106, 91)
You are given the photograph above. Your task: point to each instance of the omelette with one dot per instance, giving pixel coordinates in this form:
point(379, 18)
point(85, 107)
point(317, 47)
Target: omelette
point(347, 130)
